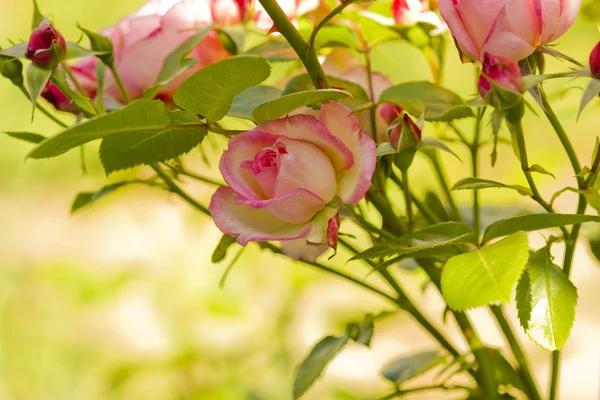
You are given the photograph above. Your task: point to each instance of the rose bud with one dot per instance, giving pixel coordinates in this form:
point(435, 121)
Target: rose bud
point(512, 28)
point(55, 97)
point(46, 46)
point(396, 133)
point(595, 61)
point(500, 82)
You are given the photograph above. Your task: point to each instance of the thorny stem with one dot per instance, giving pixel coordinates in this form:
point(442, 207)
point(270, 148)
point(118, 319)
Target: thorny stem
point(307, 55)
point(524, 369)
point(404, 302)
point(570, 241)
point(324, 21)
point(408, 200)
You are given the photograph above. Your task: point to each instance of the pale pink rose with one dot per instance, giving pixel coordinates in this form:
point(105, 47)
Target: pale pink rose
point(410, 12)
point(142, 40)
point(510, 28)
point(284, 174)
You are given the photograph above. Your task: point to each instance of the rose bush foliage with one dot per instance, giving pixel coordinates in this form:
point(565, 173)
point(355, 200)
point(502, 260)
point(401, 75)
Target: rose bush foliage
point(321, 149)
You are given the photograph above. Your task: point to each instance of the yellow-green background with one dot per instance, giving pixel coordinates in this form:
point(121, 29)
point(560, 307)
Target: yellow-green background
point(121, 301)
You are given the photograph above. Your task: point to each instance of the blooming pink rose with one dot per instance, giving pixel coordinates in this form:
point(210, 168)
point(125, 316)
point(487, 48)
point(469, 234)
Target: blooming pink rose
point(142, 40)
point(511, 28)
point(284, 174)
point(46, 47)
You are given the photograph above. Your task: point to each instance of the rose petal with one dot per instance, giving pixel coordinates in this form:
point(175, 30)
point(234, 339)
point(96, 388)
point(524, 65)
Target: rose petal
point(568, 13)
point(513, 45)
point(300, 250)
point(244, 147)
point(296, 207)
point(355, 182)
point(305, 166)
point(310, 129)
point(251, 224)
point(460, 33)
point(478, 16)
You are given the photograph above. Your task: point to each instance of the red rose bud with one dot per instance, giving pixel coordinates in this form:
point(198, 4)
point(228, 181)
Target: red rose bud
point(406, 11)
point(500, 82)
point(46, 46)
point(595, 61)
point(396, 134)
point(389, 112)
point(55, 97)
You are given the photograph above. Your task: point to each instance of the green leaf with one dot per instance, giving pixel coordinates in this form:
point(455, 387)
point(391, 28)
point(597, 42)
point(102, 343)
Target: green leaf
point(145, 116)
point(274, 51)
point(59, 79)
point(221, 250)
point(100, 44)
point(17, 51)
point(594, 243)
point(87, 198)
point(590, 93)
point(427, 98)
point(534, 222)
point(438, 144)
point(136, 147)
point(316, 361)
point(282, 106)
point(365, 331)
point(546, 301)
point(385, 149)
point(37, 77)
point(407, 367)
point(211, 90)
point(503, 371)
point(303, 83)
point(76, 51)
point(425, 243)
point(38, 17)
point(27, 137)
point(472, 183)
point(244, 103)
point(540, 170)
point(176, 62)
point(485, 276)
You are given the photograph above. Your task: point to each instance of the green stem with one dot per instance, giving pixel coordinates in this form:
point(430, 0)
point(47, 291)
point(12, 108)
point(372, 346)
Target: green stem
point(325, 268)
point(307, 55)
point(404, 302)
point(120, 84)
point(408, 200)
point(427, 214)
point(524, 369)
point(474, 147)
point(324, 21)
point(178, 191)
point(73, 79)
point(195, 176)
point(43, 109)
point(571, 241)
point(443, 181)
point(389, 217)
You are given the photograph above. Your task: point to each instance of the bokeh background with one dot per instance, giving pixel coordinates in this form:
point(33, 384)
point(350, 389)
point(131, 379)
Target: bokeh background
point(121, 301)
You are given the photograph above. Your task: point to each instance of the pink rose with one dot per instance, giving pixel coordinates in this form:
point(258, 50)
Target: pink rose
point(511, 28)
point(46, 47)
point(142, 40)
point(284, 174)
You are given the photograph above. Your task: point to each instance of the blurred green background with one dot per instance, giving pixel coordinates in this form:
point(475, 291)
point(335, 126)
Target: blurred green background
point(120, 301)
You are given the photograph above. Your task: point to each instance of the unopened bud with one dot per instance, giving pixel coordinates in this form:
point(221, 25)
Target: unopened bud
point(401, 142)
point(46, 47)
point(500, 82)
point(595, 61)
point(54, 96)
point(389, 112)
